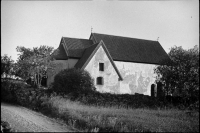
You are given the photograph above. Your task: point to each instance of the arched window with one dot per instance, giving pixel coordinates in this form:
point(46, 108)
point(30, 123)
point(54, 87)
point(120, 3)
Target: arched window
point(153, 90)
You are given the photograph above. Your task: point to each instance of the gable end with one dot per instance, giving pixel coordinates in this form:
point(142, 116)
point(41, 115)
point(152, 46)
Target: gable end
point(89, 53)
point(111, 60)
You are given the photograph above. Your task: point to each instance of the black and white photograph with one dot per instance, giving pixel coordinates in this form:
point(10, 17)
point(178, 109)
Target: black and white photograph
point(99, 66)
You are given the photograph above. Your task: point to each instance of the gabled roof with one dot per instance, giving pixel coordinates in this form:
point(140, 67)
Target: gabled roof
point(120, 48)
point(75, 47)
point(71, 47)
point(59, 53)
point(132, 49)
point(89, 53)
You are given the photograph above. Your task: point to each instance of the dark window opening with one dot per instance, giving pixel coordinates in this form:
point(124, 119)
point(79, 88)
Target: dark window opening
point(99, 80)
point(153, 90)
point(101, 66)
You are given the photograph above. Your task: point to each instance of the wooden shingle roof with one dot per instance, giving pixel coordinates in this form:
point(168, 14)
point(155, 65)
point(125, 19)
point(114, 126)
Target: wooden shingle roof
point(59, 54)
point(131, 49)
point(120, 48)
point(76, 43)
point(74, 48)
point(87, 55)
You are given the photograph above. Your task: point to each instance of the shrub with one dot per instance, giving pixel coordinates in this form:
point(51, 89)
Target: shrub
point(96, 98)
point(72, 80)
point(8, 90)
point(5, 93)
point(21, 93)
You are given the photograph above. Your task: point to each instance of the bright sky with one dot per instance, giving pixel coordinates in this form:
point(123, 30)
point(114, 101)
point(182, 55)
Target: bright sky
point(34, 23)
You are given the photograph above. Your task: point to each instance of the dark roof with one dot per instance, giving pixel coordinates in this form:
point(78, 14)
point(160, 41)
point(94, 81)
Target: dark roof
point(132, 49)
point(77, 53)
point(86, 56)
point(59, 53)
point(89, 53)
point(76, 43)
point(120, 48)
point(74, 48)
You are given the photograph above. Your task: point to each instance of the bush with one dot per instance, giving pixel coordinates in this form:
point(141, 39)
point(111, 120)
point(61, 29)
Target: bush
point(72, 80)
point(8, 90)
point(21, 94)
point(96, 98)
point(6, 95)
point(30, 97)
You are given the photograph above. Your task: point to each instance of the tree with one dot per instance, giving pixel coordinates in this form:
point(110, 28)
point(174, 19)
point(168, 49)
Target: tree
point(6, 65)
point(72, 80)
point(33, 62)
point(181, 75)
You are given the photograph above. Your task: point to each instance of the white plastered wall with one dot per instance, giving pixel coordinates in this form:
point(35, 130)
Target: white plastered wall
point(137, 77)
point(110, 77)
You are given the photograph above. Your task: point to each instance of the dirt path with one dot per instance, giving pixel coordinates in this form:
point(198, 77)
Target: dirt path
point(25, 120)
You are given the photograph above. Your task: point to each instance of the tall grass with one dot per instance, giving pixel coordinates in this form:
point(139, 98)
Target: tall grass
point(102, 112)
point(92, 118)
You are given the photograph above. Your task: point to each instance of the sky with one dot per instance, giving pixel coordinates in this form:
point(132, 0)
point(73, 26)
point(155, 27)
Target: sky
point(34, 23)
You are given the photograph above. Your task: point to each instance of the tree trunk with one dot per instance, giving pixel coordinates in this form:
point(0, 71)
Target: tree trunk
point(40, 80)
point(35, 79)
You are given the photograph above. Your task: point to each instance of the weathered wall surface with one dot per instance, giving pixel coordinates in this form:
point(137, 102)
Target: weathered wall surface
point(110, 77)
point(138, 77)
point(56, 66)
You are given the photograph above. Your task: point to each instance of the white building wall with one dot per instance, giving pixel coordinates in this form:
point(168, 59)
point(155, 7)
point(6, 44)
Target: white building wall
point(137, 77)
point(110, 77)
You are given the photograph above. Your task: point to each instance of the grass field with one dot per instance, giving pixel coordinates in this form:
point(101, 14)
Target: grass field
point(106, 117)
point(91, 118)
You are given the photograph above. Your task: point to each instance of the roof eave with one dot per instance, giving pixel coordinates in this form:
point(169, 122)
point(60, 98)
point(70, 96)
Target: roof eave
point(90, 57)
point(64, 46)
point(111, 60)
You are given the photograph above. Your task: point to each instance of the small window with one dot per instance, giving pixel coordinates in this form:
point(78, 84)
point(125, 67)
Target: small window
point(99, 80)
point(101, 66)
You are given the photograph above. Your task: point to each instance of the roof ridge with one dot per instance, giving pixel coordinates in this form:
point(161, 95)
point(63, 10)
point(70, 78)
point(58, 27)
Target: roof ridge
point(87, 46)
point(76, 38)
point(125, 37)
